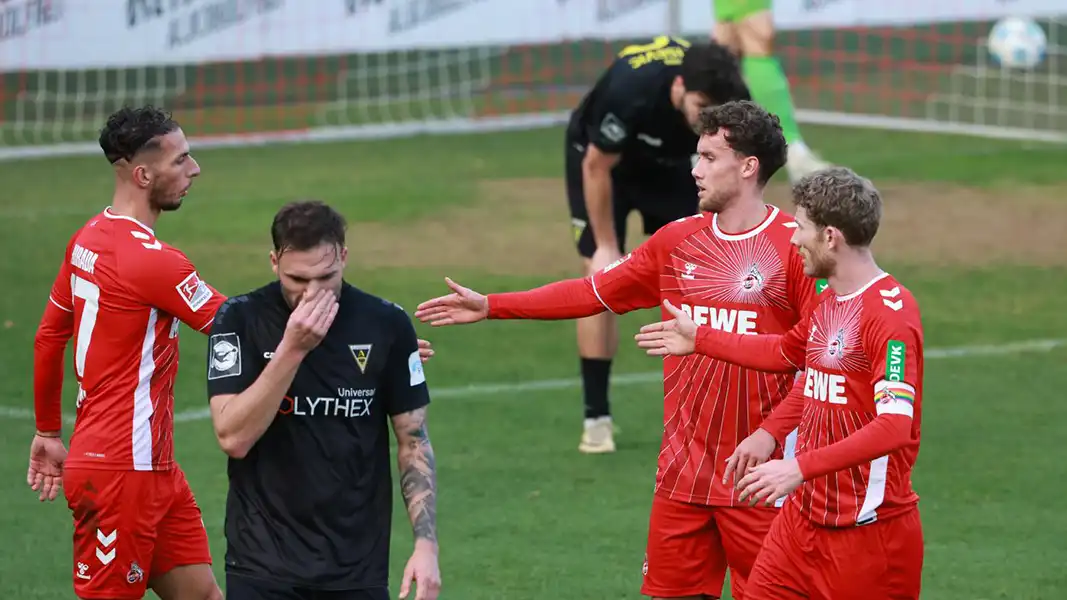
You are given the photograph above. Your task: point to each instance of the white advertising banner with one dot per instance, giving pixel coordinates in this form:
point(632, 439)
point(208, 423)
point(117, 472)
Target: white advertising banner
point(85, 34)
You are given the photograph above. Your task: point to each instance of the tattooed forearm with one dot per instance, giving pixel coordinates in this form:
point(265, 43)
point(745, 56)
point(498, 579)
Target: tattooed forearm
point(418, 472)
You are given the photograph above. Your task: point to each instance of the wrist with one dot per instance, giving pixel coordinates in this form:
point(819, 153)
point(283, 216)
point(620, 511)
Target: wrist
point(49, 434)
point(611, 244)
point(779, 441)
point(287, 350)
point(422, 543)
point(701, 341)
point(804, 465)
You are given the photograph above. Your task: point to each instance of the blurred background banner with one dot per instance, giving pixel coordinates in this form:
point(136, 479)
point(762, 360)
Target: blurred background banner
point(281, 69)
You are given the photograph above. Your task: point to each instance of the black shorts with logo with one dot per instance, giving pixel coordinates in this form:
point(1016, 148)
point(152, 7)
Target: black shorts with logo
point(240, 587)
point(659, 194)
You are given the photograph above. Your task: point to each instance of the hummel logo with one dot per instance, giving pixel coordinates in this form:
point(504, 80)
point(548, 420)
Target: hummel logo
point(893, 293)
point(155, 245)
point(106, 540)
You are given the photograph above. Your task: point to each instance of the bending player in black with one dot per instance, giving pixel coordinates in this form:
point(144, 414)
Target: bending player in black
point(630, 145)
point(304, 375)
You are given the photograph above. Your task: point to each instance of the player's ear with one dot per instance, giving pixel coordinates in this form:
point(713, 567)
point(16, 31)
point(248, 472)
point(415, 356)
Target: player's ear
point(834, 238)
point(678, 87)
point(344, 256)
point(274, 261)
point(750, 167)
point(141, 175)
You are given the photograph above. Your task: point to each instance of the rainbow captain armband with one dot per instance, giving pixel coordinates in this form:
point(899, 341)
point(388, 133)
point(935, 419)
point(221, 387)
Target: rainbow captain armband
point(894, 398)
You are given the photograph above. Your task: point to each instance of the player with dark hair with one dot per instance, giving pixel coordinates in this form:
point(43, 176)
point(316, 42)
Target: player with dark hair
point(853, 529)
point(630, 146)
point(121, 294)
point(731, 268)
point(303, 375)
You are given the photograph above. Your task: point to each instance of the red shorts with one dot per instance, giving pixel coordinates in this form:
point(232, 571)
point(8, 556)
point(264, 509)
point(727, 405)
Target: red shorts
point(880, 561)
point(130, 526)
point(691, 545)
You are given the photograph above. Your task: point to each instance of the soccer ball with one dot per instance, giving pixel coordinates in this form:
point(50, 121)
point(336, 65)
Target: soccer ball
point(1017, 43)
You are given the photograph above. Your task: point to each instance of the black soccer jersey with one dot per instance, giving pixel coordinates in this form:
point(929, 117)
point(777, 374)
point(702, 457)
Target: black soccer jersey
point(629, 111)
point(311, 503)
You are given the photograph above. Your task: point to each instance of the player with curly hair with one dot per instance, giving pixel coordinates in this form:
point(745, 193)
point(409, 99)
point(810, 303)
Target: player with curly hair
point(630, 146)
point(731, 268)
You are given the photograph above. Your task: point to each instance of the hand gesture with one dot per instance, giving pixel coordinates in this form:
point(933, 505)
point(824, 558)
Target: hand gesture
point(603, 256)
point(461, 306)
point(45, 474)
point(770, 481)
point(675, 337)
point(425, 350)
point(310, 320)
point(750, 453)
point(422, 568)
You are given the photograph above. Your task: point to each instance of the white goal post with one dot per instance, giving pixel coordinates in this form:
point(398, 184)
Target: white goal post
point(241, 73)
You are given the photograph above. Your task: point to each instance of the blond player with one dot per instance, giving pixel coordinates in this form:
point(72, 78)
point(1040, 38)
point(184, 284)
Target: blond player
point(851, 530)
point(731, 268)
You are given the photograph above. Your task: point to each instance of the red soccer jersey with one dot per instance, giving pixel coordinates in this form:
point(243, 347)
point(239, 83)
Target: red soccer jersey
point(749, 283)
point(863, 355)
point(122, 293)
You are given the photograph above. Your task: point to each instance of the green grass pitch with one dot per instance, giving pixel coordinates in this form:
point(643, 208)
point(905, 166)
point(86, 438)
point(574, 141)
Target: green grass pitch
point(522, 514)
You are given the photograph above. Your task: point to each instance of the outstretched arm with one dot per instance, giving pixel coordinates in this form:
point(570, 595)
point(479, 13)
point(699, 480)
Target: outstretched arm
point(630, 283)
point(680, 336)
point(568, 299)
point(765, 352)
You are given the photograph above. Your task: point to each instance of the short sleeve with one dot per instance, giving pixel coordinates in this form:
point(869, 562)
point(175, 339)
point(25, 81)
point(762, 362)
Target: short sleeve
point(164, 278)
point(405, 380)
point(895, 344)
point(613, 119)
point(230, 368)
point(632, 282)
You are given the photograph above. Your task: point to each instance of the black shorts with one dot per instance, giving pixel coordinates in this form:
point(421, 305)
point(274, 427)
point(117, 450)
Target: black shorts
point(659, 194)
point(241, 587)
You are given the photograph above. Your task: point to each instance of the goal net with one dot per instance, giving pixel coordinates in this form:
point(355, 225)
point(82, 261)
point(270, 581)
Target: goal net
point(254, 71)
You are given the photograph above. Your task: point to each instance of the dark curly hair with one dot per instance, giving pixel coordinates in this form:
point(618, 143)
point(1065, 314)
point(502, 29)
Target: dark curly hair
point(130, 131)
point(305, 224)
point(713, 70)
point(750, 131)
point(838, 197)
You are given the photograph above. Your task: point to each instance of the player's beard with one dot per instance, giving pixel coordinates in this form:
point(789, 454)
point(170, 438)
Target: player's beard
point(819, 264)
point(164, 202)
point(715, 199)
